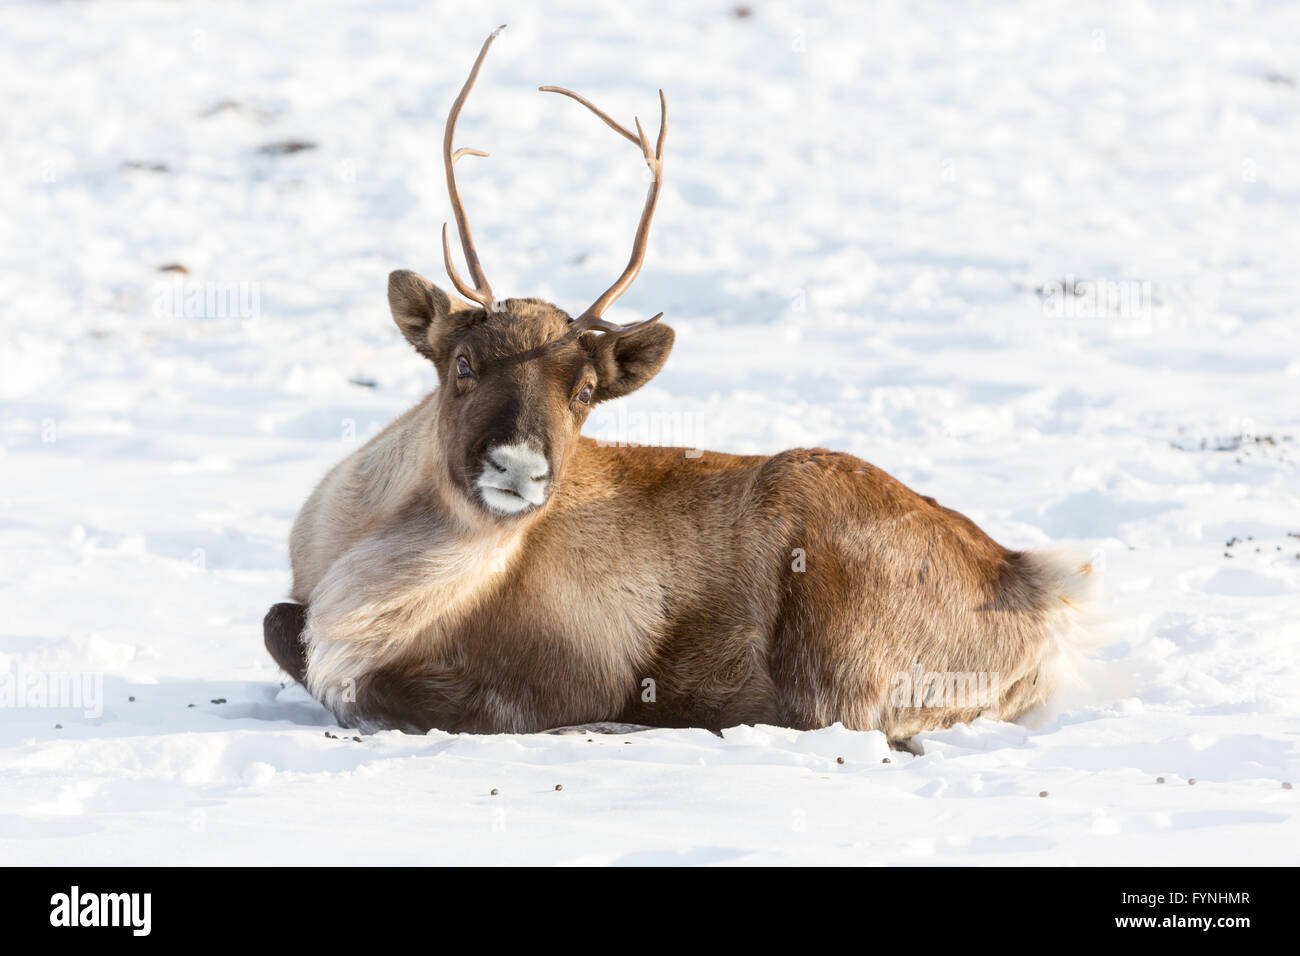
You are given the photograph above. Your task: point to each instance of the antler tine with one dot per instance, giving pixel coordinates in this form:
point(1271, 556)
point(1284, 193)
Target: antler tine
point(586, 323)
point(591, 318)
point(482, 292)
point(612, 123)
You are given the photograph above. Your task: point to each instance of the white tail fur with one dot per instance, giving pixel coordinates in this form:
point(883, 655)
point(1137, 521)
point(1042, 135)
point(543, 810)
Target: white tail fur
point(1074, 630)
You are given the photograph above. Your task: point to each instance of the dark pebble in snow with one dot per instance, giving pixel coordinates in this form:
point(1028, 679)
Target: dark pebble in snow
point(58, 726)
point(1160, 779)
point(132, 699)
point(839, 760)
point(357, 739)
point(1191, 781)
point(189, 705)
point(285, 147)
point(886, 760)
point(495, 791)
point(1285, 785)
point(1042, 793)
point(559, 786)
point(218, 700)
point(330, 735)
point(174, 267)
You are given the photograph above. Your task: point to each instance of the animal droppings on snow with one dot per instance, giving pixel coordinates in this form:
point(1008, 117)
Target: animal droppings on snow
point(286, 147)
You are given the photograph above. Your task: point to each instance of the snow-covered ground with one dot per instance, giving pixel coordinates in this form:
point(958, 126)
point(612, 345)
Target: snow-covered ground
point(875, 222)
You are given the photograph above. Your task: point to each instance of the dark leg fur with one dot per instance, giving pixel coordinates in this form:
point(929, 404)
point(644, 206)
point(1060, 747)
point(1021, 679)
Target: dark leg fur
point(390, 699)
point(282, 632)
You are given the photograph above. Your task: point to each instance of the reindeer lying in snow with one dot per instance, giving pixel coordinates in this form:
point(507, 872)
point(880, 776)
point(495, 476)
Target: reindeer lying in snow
point(480, 566)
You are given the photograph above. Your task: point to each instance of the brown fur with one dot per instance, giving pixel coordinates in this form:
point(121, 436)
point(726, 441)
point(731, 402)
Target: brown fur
point(426, 609)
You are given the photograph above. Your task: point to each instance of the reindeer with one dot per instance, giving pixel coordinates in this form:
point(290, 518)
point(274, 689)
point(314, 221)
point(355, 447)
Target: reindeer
point(480, 566)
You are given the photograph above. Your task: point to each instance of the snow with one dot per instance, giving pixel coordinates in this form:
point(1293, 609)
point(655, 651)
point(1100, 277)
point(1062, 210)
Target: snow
point(871, 231)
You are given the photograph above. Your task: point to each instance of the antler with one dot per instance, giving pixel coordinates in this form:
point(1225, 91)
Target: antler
point(591, 318)
point(482, 292)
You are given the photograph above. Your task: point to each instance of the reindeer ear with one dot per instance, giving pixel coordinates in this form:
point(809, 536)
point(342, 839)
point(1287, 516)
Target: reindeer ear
point(425, 314)
point(625, 363)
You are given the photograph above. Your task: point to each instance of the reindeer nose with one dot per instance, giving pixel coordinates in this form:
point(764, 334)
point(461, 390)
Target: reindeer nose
point(519, 461)
point(514, 477)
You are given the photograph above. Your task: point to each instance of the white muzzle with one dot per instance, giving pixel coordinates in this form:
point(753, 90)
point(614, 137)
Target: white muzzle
point(514, 478)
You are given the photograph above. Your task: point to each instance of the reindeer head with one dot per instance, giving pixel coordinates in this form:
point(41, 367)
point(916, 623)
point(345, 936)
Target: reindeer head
point(519, 376)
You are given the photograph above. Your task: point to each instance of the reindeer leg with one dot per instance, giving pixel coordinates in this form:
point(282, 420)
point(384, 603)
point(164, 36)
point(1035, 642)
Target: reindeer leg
point(282, 633)
point(391, 700)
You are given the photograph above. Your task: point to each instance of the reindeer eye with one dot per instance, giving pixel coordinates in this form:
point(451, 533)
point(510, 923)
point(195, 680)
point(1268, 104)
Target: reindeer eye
point(462, 368)
point(584, 396)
